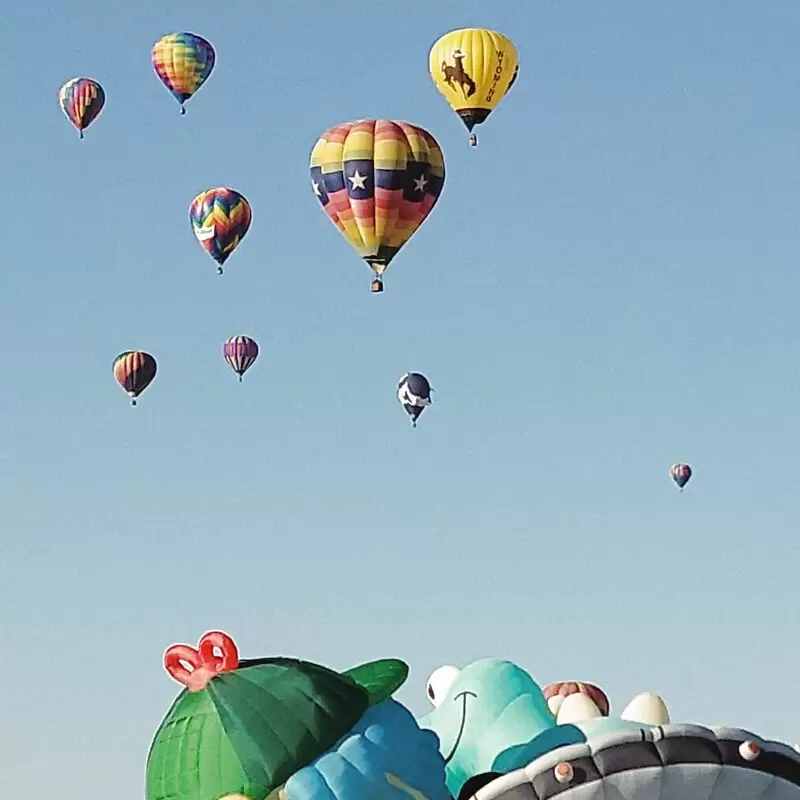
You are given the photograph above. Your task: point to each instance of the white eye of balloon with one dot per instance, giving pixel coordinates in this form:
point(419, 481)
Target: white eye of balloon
point(440, 682)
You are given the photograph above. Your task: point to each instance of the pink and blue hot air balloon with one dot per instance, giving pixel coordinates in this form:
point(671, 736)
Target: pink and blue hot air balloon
point(241, 353)
point(680, 473)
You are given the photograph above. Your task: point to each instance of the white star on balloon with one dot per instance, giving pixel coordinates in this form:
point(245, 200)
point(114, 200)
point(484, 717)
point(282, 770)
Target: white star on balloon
point(357, 179)
point(317, 192)
point(419, 183)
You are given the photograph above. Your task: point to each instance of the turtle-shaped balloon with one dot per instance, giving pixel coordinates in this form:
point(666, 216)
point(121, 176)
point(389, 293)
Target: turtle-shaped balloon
point(242, 728)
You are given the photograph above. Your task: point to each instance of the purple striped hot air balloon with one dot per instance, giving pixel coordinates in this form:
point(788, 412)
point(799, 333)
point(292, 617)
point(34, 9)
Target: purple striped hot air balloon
point(241, 353)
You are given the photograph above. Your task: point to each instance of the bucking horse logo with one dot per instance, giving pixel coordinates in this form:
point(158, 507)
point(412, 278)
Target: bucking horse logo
point(458, 75)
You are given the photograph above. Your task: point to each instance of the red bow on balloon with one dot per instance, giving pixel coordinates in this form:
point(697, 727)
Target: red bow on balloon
point(194, 667)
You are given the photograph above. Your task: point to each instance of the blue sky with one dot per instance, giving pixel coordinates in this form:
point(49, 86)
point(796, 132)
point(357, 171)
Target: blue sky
point(608, 285)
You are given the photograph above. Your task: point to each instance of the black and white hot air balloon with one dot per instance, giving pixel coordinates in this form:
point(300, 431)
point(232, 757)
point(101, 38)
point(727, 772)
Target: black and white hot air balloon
point(414, 393)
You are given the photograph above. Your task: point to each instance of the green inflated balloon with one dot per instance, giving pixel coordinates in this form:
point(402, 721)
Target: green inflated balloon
point(250, 729)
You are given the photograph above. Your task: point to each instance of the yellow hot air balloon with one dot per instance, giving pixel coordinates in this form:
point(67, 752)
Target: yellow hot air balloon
point(474, 68)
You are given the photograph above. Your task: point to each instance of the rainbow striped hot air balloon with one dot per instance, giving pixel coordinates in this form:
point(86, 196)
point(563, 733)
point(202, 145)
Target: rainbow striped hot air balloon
point(82, 100)
point(183, 62)
point(220, 219)
point(134, 371)
point(377, 180)
point(241, 353)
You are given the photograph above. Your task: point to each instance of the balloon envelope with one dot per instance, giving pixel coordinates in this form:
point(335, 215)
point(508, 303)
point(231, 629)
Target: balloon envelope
point(82, 100)
point(183, 62)
point(134, 371)
point(241, 353)
point(220, 219)
point(680, 473)
point(414, 394)
point(377, 180)
point(474, 69)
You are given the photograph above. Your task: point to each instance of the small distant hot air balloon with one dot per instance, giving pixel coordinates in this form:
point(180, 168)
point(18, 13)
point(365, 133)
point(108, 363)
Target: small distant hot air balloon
point(134, 371)
point(82, 100)
point(183, 62)
point(474, 68)
point(241, 353)
point(414, 393)
point(680, 473)
point(220, 219)
point(377, 180)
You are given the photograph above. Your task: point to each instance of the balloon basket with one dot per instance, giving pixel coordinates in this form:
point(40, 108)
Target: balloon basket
point(376, 286)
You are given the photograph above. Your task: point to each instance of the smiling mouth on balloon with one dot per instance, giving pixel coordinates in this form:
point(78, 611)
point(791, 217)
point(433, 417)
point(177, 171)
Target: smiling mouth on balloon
point(463, 696)
point(476, 781)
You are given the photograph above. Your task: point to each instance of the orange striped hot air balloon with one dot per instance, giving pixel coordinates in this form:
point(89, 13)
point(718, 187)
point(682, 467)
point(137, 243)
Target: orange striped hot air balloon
point(134, 371)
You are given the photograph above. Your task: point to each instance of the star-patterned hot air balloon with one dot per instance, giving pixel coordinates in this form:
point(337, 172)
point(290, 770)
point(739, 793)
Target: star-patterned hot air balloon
point(377, 180)
point(134, 371)
point(220, 219)
point(82, 100)
point(183, 62)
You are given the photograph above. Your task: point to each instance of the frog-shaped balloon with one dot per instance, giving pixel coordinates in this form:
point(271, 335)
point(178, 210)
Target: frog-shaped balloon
point(503, 738)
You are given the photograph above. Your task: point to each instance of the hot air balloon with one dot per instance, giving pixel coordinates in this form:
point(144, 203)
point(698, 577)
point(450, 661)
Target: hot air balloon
point(134, 371)
point(82, 100)
point(377, 180)
point(241, 353)
point(680, 473)
point(474, 68)
point(414, 393)
point(183, 62)
point(220, 219)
